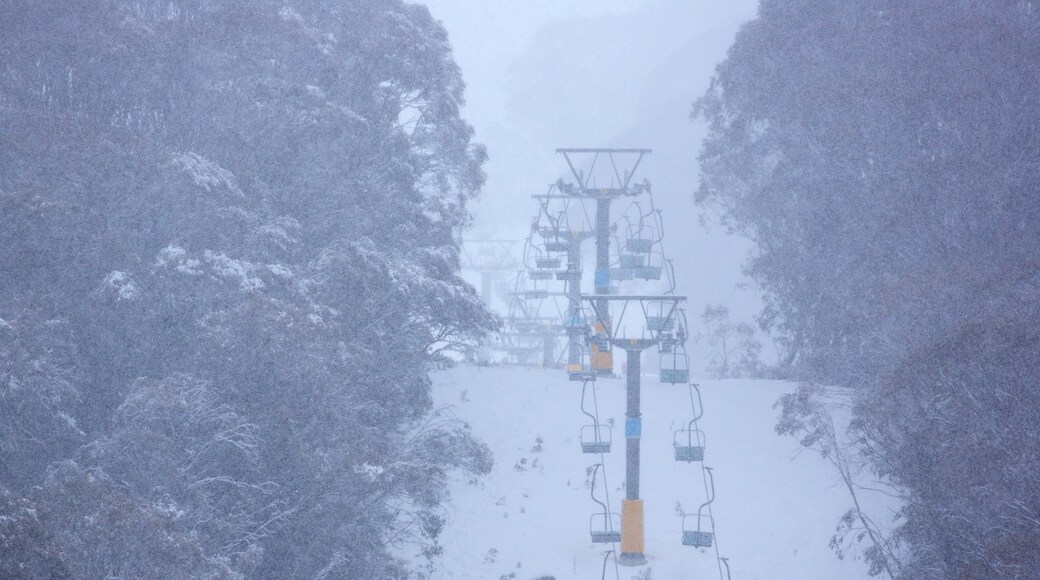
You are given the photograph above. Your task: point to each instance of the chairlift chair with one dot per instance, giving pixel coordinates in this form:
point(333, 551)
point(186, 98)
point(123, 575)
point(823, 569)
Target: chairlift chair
point(577, 320)
point(661, 315)
point(640, 237)
point(653, 266)
point(596, 438)
point(704, 534)
point(689, 444)
point(666, 341)
point(621, 274)
point(656, 323)
point(604, 527)
point(556, 246)
point(581, 370)
point(647, 272)
point(634, 261)
point(525, 326)
point(548, 263)
point(698, 537)
point(675, 366)
point(541, 274)
point(639, 245)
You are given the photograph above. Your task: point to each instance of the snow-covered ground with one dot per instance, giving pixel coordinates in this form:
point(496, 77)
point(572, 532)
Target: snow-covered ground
point(775, 510)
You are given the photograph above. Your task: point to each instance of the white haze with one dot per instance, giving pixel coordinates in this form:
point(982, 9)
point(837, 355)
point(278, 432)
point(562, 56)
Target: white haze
point(547, 74)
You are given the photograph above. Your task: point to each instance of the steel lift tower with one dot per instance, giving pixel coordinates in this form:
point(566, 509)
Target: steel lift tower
point(492, 259)
point(632, 528)
point(623, 164)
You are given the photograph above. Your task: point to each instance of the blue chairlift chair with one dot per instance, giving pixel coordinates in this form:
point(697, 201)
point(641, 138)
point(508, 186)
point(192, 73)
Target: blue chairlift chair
point(541, 274)
point(605, 526)
point(595, 437)
point(548, 263)
point(582, 369)
point(675, 366)
point(703, 534)
point(689, 444)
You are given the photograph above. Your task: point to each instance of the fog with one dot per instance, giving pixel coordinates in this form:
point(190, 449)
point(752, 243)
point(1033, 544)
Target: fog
point(544, 75)
point(242, 334)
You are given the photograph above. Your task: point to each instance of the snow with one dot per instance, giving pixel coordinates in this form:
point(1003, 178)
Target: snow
point(775, 511)
point(239, 270)
point(207, 174)
point(123, 285)
point(177, 255)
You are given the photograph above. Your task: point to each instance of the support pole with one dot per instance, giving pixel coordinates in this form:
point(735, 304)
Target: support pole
point(633, 424)
point(574, 345)
point(604, 363)
point(632, 531)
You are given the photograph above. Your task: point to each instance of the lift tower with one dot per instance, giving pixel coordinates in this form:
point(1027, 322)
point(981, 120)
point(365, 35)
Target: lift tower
point(632, 530)
point(623, 166)
point(490, 258)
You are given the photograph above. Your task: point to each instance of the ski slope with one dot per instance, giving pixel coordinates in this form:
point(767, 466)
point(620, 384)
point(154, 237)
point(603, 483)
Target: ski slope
point(775, 510)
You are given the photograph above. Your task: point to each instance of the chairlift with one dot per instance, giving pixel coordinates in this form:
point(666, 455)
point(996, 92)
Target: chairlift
point(698, 538)
point(640, 236)
point(647, 272)
point(536, 294)
point(525, 326)
point(621, 274)
point(639, 245)
point(704, 534)
point(666, 341)
point(548, 263)
point(604, 527)
point(634, 261)
point(610, 530)
point(541, 274)
point(556, 246)
point(596, 437)
point(689, 444)
point(581, 370)
point(675, 366)
point(655, 323)
point(653, 266)
point(577, 320)
point(661, 315)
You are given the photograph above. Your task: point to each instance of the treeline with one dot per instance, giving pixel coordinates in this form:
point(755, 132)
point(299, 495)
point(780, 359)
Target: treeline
point(884, 157)
point(228, 259)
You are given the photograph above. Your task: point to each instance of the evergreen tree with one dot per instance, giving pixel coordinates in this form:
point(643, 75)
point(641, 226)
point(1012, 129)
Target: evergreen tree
point(229, 238)
point(883, 156)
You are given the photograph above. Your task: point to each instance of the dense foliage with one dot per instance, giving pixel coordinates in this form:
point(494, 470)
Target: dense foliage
point(228, 258)
point(884, 156)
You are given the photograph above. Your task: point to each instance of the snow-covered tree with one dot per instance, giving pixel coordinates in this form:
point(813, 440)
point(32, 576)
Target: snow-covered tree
point(882, 156)
point(229, 238)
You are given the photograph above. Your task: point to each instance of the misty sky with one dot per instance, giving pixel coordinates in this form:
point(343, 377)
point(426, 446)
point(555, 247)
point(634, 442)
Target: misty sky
point(543, 74)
